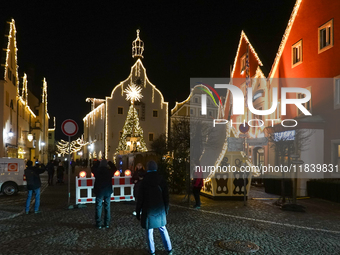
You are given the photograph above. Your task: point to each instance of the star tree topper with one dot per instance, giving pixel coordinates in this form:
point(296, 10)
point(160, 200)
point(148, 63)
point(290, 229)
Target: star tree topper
point(133, 93)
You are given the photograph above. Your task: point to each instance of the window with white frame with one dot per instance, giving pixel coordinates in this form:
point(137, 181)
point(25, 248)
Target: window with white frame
point(325, 34)
point(297, 53)
point(307, 105)
point(337, 92)
point(243, 63)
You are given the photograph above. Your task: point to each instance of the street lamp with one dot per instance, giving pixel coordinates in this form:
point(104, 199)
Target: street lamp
point(30, 137)
point(10, 133)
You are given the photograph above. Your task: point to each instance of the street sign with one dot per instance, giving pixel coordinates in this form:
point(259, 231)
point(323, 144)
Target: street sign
point(235, 144)
point(262, 141)
point(69, 127)
point(244, 128)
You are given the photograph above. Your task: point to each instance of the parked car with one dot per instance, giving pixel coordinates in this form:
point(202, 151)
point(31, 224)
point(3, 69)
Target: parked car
point(12, 178)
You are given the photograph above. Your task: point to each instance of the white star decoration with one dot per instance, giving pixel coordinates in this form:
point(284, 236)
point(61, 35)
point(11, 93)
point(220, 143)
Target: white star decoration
point(133, 93)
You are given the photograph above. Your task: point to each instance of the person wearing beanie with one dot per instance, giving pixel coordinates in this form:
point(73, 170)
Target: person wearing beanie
point(153, 202)
point(103, 190)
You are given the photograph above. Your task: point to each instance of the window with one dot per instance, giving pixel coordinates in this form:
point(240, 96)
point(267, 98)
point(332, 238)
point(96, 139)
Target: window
point(155, 113)
point(192, 112)
point(243, 63)
point(258, 94)
point(297, 53)
point(210, 113)
point(50, 136)
point(120, 110)
point(196, 100)
point(337, 93)
point(307, 105)
point(150, 137)
point(7, 98)
point(325, 33)
point(9, 72)
point(137, 110)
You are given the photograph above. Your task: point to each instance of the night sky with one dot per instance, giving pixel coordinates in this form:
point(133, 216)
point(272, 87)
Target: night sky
point(83, 48)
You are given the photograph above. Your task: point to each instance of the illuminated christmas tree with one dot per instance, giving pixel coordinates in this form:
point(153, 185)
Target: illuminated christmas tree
point(132, 138)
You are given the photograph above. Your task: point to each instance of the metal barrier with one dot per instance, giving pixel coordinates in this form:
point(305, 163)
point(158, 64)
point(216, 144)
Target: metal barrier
point(122, 190)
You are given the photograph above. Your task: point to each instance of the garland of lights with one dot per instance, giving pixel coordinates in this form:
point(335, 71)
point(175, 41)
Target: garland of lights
point(76, 145)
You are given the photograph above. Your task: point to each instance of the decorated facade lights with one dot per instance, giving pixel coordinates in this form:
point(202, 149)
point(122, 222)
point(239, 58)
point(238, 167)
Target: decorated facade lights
point(132, 138)
point(75, 146)
point(133, 93)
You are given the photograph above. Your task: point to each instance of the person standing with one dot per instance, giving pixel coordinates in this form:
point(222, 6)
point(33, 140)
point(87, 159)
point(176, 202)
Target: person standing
point(197, 184)
point(32, 174)
point(50, 170)
point(60, 173)
point(153, 201)
point(103, 190)
point(137, 178)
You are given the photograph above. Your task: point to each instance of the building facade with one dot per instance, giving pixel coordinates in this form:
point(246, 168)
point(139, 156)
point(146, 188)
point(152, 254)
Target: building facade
point(23, 117)
point(103, 126)
point(307, 58)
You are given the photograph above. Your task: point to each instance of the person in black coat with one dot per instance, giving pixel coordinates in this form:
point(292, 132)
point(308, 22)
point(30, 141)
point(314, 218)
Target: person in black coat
point(60, 173)
point(153, 202)
point(103, 190)
point(32, 174)
point(50, 169)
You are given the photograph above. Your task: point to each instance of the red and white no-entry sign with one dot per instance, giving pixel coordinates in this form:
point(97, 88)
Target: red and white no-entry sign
point(69, 127)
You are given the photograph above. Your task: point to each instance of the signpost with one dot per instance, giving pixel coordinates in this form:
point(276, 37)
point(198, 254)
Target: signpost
point(244, 128)
point(69, 128)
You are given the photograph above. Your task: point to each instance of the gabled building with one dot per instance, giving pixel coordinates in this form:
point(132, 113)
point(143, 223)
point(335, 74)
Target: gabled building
point(23, 117)
point(103, 126)
point(308, 57)
point(248, 72)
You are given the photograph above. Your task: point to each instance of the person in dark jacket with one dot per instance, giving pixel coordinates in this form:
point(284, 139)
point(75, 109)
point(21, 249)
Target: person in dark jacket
point(103, 190)
point(50, 169)
point(32, 174)
point(153, 202)
point(137, 178)
point(197, 184)
point(60, 173)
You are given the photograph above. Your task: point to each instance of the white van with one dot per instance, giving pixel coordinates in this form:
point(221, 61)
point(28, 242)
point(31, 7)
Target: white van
point(12, 177)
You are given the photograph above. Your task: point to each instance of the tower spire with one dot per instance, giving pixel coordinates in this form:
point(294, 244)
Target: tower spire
point(137, 47)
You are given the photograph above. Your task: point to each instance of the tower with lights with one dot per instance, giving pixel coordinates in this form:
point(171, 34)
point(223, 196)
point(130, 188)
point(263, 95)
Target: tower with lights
point(131, 117)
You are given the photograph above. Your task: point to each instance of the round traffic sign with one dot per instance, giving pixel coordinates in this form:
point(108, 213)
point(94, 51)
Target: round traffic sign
point(244, 128)
point(69, 127)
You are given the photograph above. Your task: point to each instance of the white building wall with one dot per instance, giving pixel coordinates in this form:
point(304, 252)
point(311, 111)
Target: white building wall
point(152, 99)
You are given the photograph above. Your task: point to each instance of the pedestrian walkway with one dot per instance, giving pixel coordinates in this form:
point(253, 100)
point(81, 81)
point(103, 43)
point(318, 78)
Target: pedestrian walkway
point(61, 231)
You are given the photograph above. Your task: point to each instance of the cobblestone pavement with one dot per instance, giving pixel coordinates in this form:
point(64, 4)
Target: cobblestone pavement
point(60, 231)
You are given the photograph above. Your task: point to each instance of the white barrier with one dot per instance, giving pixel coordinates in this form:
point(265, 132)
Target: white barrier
point(120, 185)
